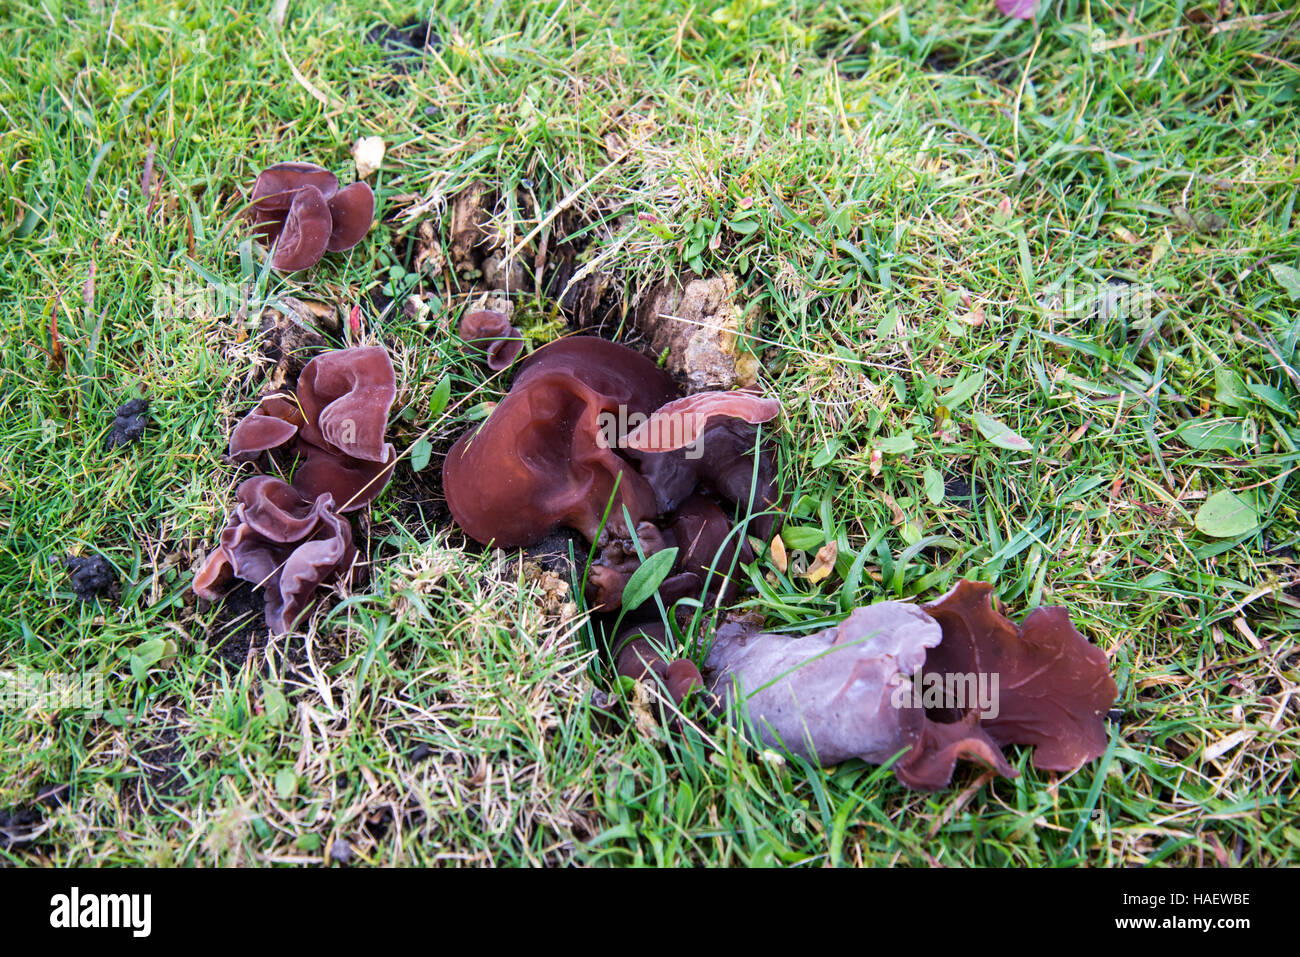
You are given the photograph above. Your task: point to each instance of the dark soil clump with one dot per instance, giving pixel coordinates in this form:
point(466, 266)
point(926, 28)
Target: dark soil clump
point(405, 46)
point(21, 825)
point(240, 627)
point(91, 577)
point(129, 423)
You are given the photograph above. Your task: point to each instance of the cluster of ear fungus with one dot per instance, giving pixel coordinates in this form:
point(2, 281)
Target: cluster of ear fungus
point(300, 209)
point(926, 684)
point(291, 537)
point(692, 473)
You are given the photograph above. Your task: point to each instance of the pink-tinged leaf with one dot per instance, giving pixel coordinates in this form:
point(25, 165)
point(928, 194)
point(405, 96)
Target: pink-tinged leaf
point(1020, 9)
point(354, 321)
point(1000, 434)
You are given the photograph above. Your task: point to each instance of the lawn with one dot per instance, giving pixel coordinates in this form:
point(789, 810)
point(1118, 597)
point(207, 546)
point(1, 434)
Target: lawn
point(1027, 291)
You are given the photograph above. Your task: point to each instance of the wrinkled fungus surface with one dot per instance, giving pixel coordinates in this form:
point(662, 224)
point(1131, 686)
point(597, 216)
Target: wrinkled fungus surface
point(1055, 685)
point(282, 542)
point(300, 208)
point(292, 537)
point(952, 680)
point(336, 422)
point(554, 454)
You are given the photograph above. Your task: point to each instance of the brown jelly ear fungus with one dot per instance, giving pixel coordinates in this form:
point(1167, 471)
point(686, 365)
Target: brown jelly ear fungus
point(300, 210)
point(554, 453)
point(926, 684)
point(491, 331)
point(292, 537)
point(282, 542)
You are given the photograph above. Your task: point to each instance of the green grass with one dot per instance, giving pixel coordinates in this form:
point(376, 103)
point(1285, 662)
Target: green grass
point(898, 189)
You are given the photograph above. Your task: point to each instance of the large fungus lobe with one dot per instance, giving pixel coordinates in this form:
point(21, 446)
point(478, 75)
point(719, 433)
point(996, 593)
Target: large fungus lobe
point(540, 461)
point(352, 210)
point(554, 453)
point(1054, 685)
point(853, 690)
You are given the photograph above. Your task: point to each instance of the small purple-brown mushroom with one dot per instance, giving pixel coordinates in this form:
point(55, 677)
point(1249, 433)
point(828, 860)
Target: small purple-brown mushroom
point(491, 331)
point(710, 547)
point(300, 209)
point(274, 422)
point(345, 396)
point(636, 657)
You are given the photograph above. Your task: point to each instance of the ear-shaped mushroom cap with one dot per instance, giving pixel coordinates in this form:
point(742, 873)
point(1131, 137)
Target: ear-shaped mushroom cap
point(826, 696)
point(300, 208)
point(322, 558)
point(681, 422)
point(352, 210)
point(345, 397)
point(306, 232)
point(274, 509)
point(538, 463)
point(541, 459)
point(723, 460)
point(492, 331)
point(275, 190)
point(339, 417)
point(1054, 686)
point(274, 422)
